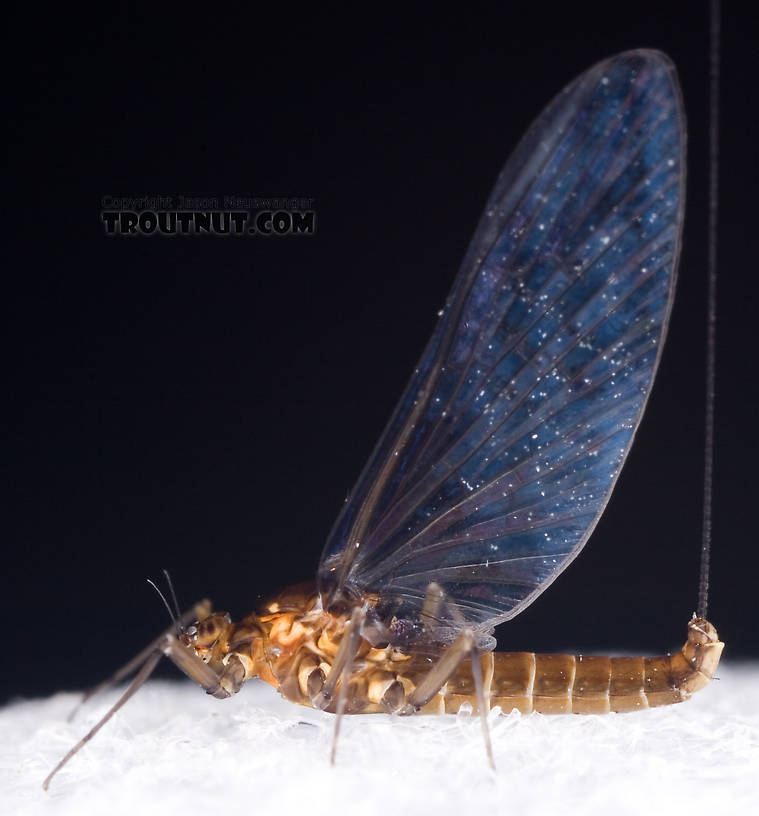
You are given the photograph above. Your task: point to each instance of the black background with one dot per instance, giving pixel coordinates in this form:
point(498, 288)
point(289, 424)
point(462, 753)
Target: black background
point(205, 404)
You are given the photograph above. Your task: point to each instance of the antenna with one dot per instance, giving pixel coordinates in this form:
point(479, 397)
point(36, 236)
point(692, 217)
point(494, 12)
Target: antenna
point(176, 614)
point(165, 602)
point(166, 575)
point(711, 315)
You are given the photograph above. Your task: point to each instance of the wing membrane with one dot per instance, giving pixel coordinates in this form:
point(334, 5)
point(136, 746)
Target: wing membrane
point(507, 441)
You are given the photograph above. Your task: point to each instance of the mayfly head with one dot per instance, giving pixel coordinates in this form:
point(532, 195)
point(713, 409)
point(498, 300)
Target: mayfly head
point(208, 636)
point(234, 651)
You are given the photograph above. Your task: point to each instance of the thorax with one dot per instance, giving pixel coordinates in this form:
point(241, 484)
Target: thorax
point(301, 638)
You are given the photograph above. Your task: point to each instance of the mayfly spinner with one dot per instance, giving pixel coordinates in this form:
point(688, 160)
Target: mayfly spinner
point(504, 448)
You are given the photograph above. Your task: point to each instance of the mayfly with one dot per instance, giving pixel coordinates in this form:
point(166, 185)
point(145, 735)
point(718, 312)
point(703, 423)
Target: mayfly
point(503, 450)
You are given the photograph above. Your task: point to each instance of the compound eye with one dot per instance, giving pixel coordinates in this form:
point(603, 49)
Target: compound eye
point(192, 631)
point(210, 629)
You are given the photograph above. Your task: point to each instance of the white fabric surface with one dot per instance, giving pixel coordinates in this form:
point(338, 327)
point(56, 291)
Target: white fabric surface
point(173, 750)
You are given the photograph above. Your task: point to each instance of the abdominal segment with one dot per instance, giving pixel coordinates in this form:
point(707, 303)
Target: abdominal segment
point(545, 683)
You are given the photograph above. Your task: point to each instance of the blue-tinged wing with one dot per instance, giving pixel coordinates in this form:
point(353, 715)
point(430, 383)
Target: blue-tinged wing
point(507, 442)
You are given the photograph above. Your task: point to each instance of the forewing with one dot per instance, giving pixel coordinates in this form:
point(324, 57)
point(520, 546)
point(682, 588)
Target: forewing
point(507, 442)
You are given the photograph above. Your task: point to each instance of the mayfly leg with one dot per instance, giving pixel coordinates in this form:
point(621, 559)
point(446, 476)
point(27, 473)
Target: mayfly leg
point(462, 648)
point(142, 676)
point(343, 661)
point(434, 600)
point(166, 645)
point(340, 672)
point(354, 641)
point(474, 656)
point(201, 610)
